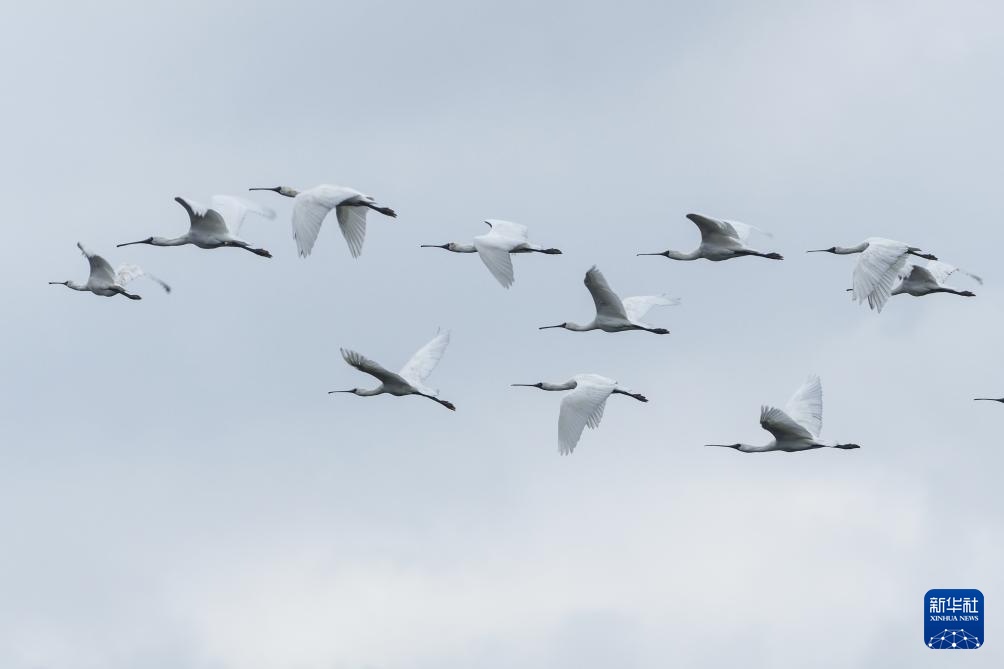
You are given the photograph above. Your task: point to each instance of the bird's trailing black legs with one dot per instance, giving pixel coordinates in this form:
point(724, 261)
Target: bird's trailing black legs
point(258, 252)
point(386, 211)
point(637, 396)
point(448, 405)
point(769, 256)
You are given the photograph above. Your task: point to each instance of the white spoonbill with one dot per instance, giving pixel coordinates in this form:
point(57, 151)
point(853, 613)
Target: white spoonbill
point(311, 207)
point(207, 230)
point(410, 380)
point(614, 314)
point(923, 280)
point(880, 264)
point(105, 281)
point(796, 428)
point(494, 247)
point(720, 240)
point(583, 407)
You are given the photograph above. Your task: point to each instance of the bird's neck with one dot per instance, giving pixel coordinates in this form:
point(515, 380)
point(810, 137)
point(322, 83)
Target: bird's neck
point(73, 285)
point(363, 392)
point(567, 385)
point(463, 248)
point(680, 255)
point(575, 327)
point(165, 241)
point(849, 250)
point(751, 448)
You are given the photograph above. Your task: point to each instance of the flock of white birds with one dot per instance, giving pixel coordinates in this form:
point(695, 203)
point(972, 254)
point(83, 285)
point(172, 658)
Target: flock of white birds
point(884, 268)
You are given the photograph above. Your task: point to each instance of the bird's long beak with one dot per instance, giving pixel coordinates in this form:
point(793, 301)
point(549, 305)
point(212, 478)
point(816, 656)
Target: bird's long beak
point(142, 241)
point(58, 283)
point(819, 251)
point(547, 327)
point(988, 399)
point(353, 390)
point(720, 445)
point(273, 188)
point(434, 246)
point(651, 254)
point(523, 385)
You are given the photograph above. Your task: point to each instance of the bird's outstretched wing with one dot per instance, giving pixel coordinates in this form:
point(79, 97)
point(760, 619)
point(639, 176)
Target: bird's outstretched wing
point(743, 231)
point(916, 274)
point(636, 307)
point(352, 221)
point(806, 406)
point(364, 364)
point(606, 300)
point(940, 271)
point(418, 369)
point(508, 229)
point(101, 271)
point(310, 208)
point(126, 273)
point(581, 408)
point(781, 425)
point(714, 227)
point(876, 271)
point(234, 210)
point(203, 219)
point(494, 250)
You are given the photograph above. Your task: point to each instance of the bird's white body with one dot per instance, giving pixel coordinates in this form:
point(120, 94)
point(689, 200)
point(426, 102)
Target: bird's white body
point(108, 282)
point(410, 380)
point(720, 240)
point(614, 314)
point(312, 206)
point(797, 427)
point(495, 246)
point(919, 280)
point(583, 406)
point(878, 268)
point(207, 227)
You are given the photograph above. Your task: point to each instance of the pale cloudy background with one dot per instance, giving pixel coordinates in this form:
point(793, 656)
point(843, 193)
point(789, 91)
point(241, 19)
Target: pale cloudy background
point(177, 491)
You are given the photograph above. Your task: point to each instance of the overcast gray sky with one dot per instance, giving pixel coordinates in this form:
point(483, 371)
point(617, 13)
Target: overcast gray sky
point(178, 491)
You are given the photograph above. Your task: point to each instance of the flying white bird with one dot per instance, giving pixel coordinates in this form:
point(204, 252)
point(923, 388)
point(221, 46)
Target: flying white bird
point(105, 281)
point(880, 265)
point(495, 246)
point(583, 407)
point(410, 380)
point(208, 229)
point(923, 280)
point(614, 314)
point(796, 428)
point(720, 240)
point(311, 207)
point(990, 399)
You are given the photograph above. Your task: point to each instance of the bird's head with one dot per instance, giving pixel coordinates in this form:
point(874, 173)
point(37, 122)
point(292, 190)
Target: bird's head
point(547, 327)
point(148, 240)
point(738, 447)
point(281, 190)
point(539, 384)
point(832, 249)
